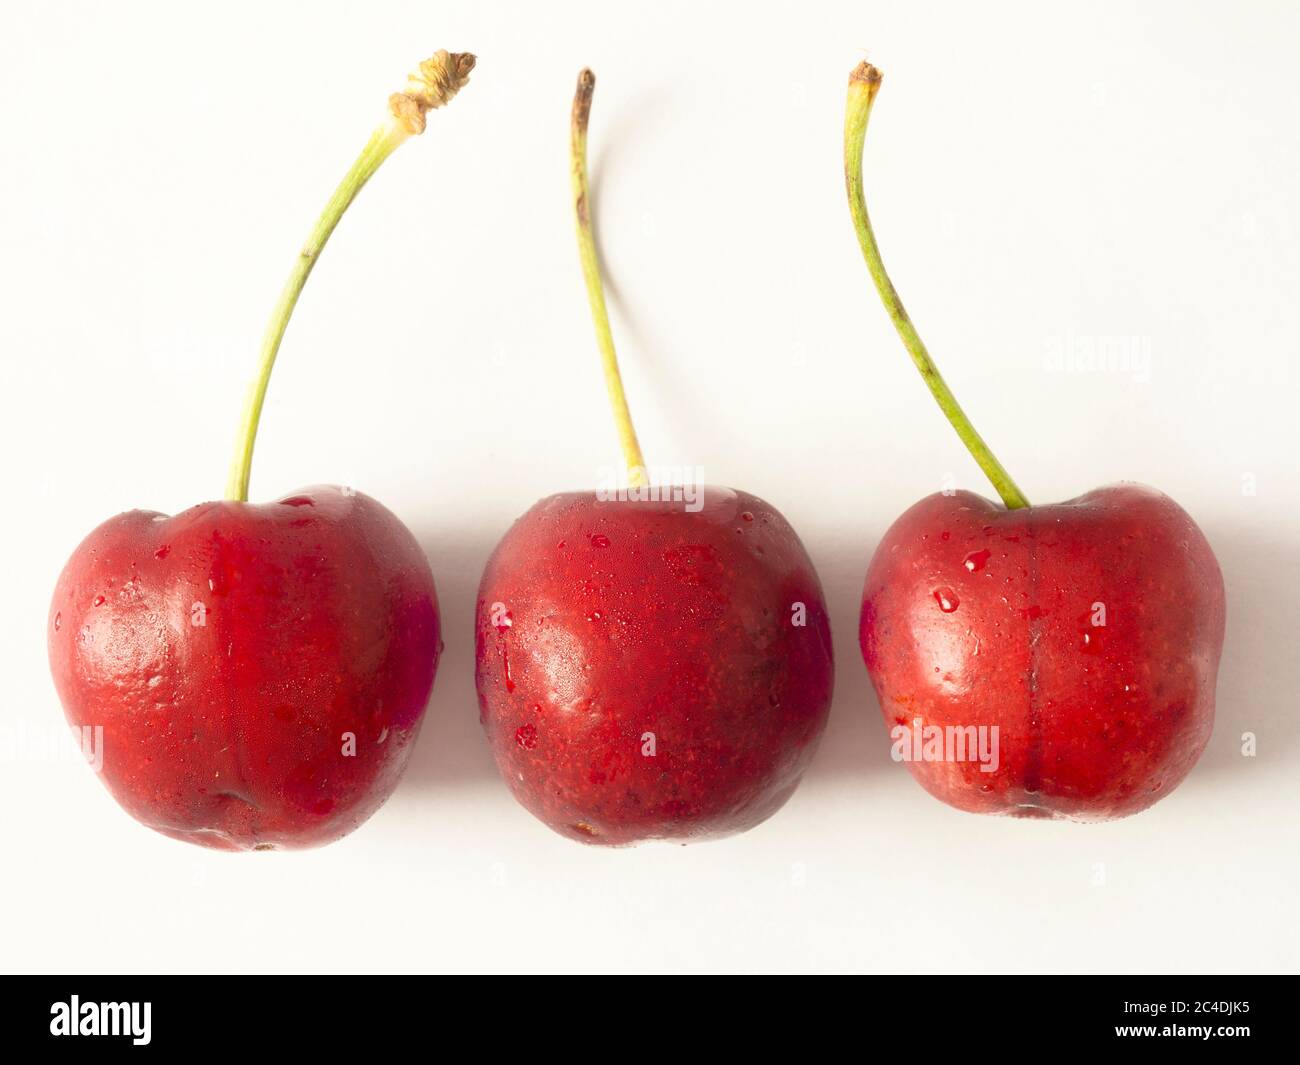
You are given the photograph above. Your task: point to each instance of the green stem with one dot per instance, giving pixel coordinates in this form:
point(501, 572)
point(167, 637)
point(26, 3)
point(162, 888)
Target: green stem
point(382, 144)
point(438, 80)
point(636, 470)
point(863, 85)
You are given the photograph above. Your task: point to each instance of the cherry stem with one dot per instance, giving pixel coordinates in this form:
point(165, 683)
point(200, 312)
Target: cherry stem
point(636, 471)
point(438, 79)
point(864, 82)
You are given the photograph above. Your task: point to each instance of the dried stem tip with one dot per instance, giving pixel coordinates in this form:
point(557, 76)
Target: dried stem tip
point(866, 73)
point(582, 99)
point(439, 78)
point(865, 79)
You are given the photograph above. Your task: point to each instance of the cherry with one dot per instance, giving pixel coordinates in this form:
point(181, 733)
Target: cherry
point(1043, 661)
point(259, 671)
point(652, 663)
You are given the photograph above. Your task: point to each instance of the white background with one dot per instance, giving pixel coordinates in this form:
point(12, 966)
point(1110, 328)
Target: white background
point(1040, 175)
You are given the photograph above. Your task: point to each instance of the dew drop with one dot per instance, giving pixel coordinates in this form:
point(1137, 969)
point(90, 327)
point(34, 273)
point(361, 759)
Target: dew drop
point(976, 559)
point(947, 599)
point(599, 540)
point(99, 600)
point(505, 667)
point(58, 620)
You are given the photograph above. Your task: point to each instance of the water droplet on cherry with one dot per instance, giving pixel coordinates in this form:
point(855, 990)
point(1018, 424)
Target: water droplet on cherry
point(947, 599)
point(505, 667)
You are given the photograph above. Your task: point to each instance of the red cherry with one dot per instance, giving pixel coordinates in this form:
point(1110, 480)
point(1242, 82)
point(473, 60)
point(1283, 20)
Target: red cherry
point(668, 652)
point(259, 685)
point(674, 681)
point(1101, 688)
point(1077, 645)
point(259, 671)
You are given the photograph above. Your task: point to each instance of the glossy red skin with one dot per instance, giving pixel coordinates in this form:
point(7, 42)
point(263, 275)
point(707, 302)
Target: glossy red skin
point(1095, 722)
point(620, 618)
point(319, 619)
